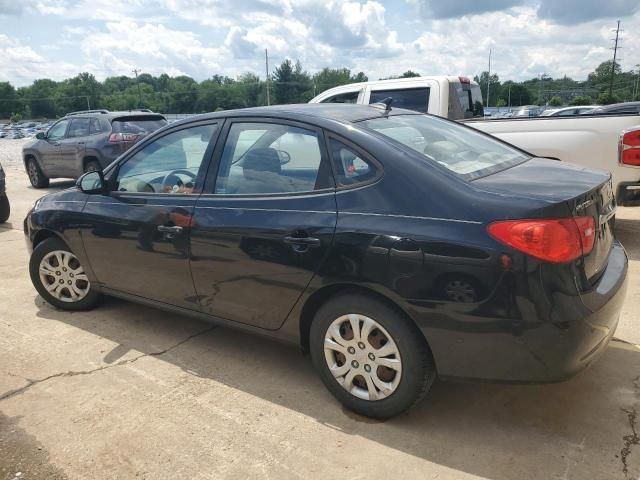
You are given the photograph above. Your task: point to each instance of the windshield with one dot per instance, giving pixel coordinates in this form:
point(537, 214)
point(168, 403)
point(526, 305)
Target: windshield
point(457, 148)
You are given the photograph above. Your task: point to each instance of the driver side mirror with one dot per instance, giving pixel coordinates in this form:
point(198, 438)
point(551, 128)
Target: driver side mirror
point(41, 135)
point(92, 182)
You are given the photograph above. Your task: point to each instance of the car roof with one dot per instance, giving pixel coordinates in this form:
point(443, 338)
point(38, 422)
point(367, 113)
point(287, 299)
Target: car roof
point(111, 115)
point(340, 112)
point(632, 106)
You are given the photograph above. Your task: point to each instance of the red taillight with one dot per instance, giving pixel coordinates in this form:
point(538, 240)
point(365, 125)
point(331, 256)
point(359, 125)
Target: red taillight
point(464, 80)
point(553, 240)
point(629, 150)
point(122, 137)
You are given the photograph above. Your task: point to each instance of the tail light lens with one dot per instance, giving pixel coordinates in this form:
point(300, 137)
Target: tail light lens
point(122, 137)
point(558, 240)
point(629, 149)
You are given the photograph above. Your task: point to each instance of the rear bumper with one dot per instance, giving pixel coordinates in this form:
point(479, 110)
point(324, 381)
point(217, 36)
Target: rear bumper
point(536, 350)
point(628, 194)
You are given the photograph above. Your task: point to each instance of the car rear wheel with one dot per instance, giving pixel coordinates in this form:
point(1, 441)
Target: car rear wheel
point(92, 166)
point(371, 358)
point(5, 208)
point(60, 278)
point(36, 177)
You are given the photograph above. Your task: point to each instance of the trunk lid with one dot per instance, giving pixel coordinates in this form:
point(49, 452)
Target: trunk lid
point(566, 190)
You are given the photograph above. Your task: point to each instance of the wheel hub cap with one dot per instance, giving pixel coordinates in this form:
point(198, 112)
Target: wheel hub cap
point(362, 357)
point(63, 277)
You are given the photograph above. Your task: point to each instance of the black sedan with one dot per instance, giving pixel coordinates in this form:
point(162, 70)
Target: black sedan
point(393, 246)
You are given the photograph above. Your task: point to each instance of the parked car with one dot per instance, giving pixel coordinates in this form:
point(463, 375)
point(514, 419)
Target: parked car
point(568, 111)
point(391, 245)
point(85, 141)
point(617, 108)
point(445, 96)
point(5, 207)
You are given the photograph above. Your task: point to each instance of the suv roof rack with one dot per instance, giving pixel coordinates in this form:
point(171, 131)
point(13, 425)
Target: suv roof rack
point(80, 112)
point(146, 110)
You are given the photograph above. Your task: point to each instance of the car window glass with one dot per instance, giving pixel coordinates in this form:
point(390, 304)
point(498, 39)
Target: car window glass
point(350, 167)
point(57, 131)
point(567, 113)
point(169, 164)
point(79, 128)
point(269, 158)
point(410, 98)
point(347, 97)
point(459, 149)
point(95, 126)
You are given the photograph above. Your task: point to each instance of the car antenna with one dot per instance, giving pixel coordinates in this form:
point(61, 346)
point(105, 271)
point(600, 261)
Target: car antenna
point(386, 104)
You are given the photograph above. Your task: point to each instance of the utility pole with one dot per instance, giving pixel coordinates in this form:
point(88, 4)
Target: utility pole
point(489, 79)
point(613, 65)
point(540, 87)
point(266, 62)
point(635, 90)
point(509, 103)
point(135, 71)
point(88, 104)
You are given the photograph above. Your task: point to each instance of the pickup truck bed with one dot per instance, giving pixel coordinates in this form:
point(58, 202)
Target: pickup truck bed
point(586, 140)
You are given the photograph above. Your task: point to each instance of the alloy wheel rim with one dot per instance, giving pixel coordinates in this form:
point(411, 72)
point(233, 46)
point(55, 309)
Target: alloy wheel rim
point(461, 291)
point(33, 173)
point(63, 277)
point(362, 357)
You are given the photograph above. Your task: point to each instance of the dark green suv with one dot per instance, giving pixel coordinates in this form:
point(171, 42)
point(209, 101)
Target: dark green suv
point(85, 141)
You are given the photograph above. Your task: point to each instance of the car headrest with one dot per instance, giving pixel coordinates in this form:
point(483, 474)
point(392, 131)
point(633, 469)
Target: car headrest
point(262, 160)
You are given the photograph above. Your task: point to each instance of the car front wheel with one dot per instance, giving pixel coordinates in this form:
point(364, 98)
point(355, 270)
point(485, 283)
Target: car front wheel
point(36, 177)
point(372, 359)
point(60, 278)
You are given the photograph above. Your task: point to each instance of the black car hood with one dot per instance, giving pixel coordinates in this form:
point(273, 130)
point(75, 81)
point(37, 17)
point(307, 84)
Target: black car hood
point(543, 179)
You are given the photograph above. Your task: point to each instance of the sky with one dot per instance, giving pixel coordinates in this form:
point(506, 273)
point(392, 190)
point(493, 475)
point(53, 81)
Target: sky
point(60, 38)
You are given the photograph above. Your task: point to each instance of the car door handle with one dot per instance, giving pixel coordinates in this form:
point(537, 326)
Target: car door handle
point(166, 229)
point(307, 241)
point(81, 143)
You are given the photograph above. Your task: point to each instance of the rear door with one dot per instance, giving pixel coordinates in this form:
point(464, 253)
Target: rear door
point(72, 147)
point(265, 222)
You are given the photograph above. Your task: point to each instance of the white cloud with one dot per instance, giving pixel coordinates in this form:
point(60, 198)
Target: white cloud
point(201, 38)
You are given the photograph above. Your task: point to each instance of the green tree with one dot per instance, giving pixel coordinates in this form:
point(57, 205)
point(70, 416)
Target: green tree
point(409, 74)
point(494, 88)
point(580, 100)
point(9, 100)
point(556, 102)
point(606, 99)
point(291, 83)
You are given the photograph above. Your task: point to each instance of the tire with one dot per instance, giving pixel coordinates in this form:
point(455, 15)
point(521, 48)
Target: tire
point(407, 383)
point(92, 166)
point(36, 177)
point(5, 208)
point(47, 255)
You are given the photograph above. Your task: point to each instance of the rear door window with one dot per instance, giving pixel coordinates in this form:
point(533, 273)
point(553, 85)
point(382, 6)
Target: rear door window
point(350, 167)
point(96, 126)
point(79, 128)
point(410, 98)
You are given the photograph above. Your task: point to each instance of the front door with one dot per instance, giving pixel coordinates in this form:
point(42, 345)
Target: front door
point(49, 148)
point(137, 239)
point(266, 225)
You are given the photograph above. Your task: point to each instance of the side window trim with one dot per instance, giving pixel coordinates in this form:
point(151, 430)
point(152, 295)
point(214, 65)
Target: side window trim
point(64, 135)
point(112, 174)
point(212, 173)
point(328, 136)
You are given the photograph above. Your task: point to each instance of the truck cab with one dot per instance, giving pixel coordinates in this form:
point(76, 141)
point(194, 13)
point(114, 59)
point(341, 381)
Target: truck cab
point(446, 96)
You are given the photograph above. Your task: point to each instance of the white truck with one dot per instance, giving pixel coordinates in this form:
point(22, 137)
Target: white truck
point(606, 142)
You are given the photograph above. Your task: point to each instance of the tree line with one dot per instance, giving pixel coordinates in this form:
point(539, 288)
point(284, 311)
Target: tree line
point(289, 83)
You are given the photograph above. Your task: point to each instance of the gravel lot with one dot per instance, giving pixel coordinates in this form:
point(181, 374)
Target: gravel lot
point(126, 391)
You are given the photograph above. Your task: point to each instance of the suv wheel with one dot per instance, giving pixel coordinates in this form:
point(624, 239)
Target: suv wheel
point(36, 177)
point(5, 208)
point(92, 166)
point(60, 278)
point(371, 359)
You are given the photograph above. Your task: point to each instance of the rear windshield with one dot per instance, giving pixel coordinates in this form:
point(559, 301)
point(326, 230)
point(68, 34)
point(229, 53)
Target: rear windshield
point(461, 150)
point(143, 125)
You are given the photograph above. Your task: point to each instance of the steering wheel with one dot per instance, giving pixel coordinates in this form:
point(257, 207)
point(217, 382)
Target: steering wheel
point(176, 181)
